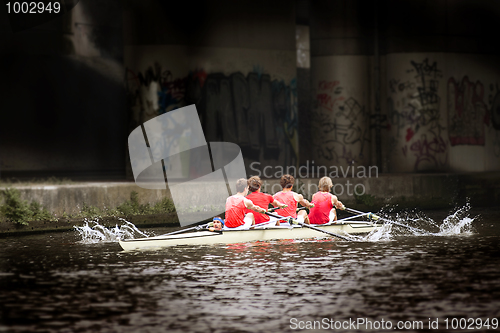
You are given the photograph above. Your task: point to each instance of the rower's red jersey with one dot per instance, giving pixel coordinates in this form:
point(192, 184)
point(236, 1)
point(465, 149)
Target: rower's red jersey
point(320, 213)
point(235, 211)
point(262, 200)
point(288, 199)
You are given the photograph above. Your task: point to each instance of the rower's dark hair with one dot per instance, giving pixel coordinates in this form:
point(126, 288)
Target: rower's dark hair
point(241, 184)
point(287, 181)
point(254, 183)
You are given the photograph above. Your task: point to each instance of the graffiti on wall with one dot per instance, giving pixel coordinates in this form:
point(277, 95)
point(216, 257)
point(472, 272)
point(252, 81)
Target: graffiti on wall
point(414, 116)
point(257, 113)
point(467, 112)
point(156, 91)
point(494, 102)
point(340, 125)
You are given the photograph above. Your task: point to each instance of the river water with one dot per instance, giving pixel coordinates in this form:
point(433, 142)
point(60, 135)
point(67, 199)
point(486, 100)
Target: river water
point(58, 283)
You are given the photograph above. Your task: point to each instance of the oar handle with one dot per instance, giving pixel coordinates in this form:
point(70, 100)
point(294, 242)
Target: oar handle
point(294, 221)
point(275, 215)
point(275, 208)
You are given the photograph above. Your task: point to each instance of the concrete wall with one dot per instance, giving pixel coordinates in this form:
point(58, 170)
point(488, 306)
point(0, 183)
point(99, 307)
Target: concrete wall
point(304, 101)
point(340, 124)
point(341, 84)
point(71, 91)
point(374, 191)
point(442, 113)
point(439, 82)
point(70, 199)
point(62, 96)
point(237, 64)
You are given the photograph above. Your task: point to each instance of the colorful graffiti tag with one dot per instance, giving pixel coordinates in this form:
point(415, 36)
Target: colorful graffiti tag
point(257, 113)
point(414, 116)
point(467, 112)
point(340, 125)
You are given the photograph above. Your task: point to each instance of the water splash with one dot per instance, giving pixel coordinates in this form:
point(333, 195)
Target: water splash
point(93, 232)
point(458, 222)
point(382, 234)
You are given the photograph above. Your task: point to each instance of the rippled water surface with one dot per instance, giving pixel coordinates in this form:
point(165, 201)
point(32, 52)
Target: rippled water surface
point(55, 283)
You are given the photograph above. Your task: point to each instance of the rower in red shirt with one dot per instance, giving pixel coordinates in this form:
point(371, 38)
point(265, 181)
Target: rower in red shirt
point(262, 200)
point(291, 198)
point(324, 203)
point(236, 216)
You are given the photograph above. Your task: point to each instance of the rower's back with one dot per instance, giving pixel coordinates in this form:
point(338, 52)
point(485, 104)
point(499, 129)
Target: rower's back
point(288, 199)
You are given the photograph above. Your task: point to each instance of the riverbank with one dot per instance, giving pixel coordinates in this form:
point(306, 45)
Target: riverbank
point(399, 191)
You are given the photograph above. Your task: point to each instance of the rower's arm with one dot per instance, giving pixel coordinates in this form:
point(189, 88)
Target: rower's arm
point(336, 202)
point(304, 202)
point(276, 203)
point(249, 204)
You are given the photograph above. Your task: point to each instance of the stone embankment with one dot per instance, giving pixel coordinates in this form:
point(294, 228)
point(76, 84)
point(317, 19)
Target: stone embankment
point(421, 191)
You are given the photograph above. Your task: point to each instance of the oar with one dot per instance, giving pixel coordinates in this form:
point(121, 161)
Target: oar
point(314, 228)
point(376, 217)
point(348, 220)
point(270, 210)
point(198, 227)
point(263, 224)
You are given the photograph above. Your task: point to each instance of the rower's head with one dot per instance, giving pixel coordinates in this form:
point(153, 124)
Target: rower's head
point(325, 184)
point(254, 184)
point(218, 223)
point(241, 186)
point(286, 182)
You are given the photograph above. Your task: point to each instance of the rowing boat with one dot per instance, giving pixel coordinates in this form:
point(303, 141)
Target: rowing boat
point(251, 235)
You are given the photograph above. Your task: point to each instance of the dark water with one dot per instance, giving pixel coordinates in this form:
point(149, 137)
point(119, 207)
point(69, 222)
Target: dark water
point(54, 283)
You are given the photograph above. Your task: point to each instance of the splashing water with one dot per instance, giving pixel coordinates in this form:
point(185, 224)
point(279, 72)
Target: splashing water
point(456, 223)
point(93, 232)
point(382, 234)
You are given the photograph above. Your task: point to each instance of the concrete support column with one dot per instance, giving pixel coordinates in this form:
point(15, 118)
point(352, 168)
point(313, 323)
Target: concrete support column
point(416, 111)
point(340, 82)
point(442, 86)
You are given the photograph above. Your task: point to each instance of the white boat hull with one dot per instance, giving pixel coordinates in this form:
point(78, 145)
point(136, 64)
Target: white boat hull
point(243, 236)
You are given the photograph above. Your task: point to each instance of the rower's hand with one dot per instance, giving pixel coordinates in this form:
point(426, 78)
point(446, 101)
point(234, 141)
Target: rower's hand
point(283, 206)
point(311, 205)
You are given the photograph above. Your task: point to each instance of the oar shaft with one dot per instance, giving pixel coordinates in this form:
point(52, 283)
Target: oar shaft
point(184, 230)
point(354, 211)
point(263, 224)
point(314, 228)
point(275, 215)
point(324, 231)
